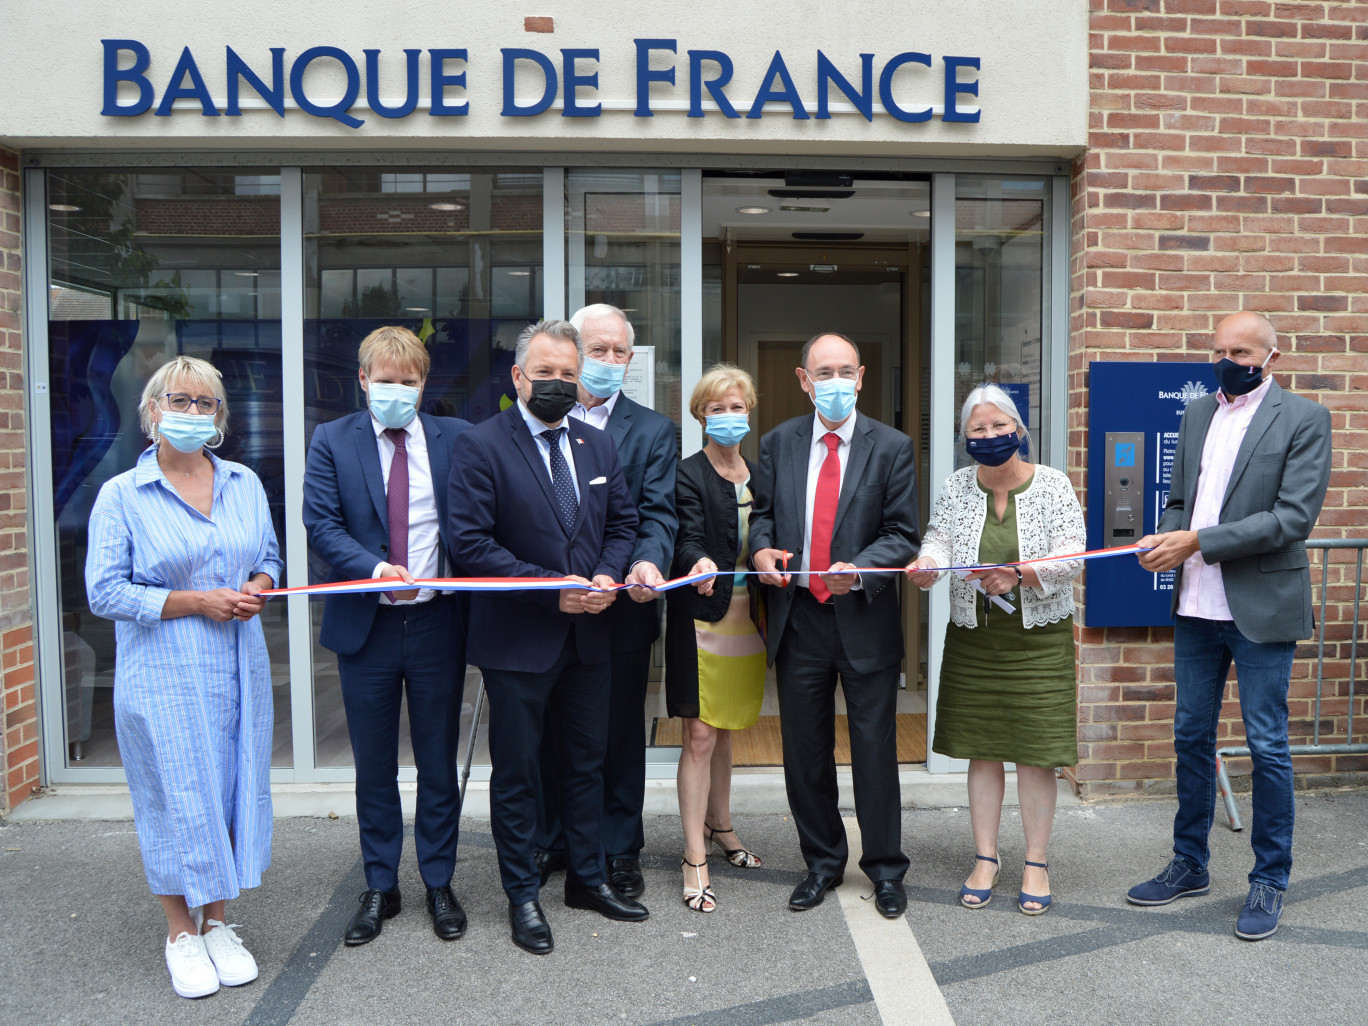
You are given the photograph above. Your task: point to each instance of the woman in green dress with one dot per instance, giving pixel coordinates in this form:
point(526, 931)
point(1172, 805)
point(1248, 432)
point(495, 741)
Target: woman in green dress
point(1008, 680)
point(714, 656)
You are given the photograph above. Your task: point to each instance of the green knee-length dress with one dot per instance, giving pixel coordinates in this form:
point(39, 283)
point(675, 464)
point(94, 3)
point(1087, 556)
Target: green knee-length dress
point(1007, 694)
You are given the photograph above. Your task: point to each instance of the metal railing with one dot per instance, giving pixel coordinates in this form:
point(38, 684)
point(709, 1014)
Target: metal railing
point(1315, 748)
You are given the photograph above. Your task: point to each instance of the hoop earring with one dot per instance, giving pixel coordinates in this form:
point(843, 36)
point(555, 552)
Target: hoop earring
point(215, 444)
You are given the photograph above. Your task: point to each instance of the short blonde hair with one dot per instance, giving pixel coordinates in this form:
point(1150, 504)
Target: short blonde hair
point(716, 383)
point(398, 345)
point(196, 373)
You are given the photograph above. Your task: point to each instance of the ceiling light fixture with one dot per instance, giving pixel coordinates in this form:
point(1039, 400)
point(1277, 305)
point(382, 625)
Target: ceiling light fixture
point(518, 274)
point(446, 206)
point(805, 206)
point(753, 210)
point(920, 213)
point(64, 208)
point(246, 274)
point(787, 274)
point(417, 309)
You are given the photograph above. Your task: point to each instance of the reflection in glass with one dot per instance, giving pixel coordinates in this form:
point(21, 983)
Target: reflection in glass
point(622, 248)
point(1000, 268)
point(454, 256)
point(145, 266)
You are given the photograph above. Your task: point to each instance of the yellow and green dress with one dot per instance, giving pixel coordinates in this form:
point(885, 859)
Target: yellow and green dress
point(722, 682)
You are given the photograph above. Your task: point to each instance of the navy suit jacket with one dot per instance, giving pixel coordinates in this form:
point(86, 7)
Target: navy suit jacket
point(505, 522)
point(876, 525)
point(649, 455)
point(346, 516)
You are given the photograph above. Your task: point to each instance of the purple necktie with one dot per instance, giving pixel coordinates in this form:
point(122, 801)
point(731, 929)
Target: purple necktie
point(397, 501)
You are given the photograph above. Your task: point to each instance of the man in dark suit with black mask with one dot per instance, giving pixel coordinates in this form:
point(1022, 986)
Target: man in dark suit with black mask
point(535, 493)
point(837, 490)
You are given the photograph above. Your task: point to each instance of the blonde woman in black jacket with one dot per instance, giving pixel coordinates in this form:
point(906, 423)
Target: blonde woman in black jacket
point(714, 655)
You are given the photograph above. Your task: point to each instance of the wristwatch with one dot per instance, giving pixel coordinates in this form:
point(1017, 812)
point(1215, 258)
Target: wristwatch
point(1018, 573)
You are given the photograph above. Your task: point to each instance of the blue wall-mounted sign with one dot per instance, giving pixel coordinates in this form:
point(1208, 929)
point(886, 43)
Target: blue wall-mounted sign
point(1133, 414)
point(571, 76)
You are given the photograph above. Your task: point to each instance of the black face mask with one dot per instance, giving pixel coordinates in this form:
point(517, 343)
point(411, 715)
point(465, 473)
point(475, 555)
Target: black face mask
point(552, 399)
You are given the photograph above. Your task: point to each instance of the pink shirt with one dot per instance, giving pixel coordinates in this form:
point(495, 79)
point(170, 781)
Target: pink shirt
point(1202, 593)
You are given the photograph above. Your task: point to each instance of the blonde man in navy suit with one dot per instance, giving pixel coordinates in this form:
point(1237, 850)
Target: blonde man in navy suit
point(375, 506)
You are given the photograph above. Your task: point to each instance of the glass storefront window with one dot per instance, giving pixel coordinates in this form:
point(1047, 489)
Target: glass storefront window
point(1000, 276)
point(145, 266)
point(622, 248)
point(456, 257)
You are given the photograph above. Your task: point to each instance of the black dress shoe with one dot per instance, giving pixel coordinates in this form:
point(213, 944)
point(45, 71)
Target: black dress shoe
point(890, 898)
point(625, 876)
point(812, 890)
point(376, 907)
point(605, 901)
point(549, 862)
point(448, 918)
point(531, 931)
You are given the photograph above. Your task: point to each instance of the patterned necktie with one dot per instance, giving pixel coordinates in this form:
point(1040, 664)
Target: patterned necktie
point(397, 500)
point(561, 481)
point(824, 515)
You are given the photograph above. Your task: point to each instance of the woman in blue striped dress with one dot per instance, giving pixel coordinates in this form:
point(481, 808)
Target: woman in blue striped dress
point(180, 546)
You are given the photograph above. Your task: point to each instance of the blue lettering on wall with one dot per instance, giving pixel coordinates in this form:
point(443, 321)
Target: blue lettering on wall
point(710, 72)
point(549, 79)
point(238, 71)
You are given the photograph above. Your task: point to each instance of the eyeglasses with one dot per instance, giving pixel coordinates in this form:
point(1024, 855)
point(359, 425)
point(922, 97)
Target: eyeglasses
point(181, 403)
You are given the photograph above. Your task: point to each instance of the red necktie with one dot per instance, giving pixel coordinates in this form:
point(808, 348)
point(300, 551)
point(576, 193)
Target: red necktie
point(397, 500)
point(824, 515)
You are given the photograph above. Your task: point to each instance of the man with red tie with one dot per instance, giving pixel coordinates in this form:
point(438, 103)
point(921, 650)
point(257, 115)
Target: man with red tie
point(837, 491)
point(375, 501)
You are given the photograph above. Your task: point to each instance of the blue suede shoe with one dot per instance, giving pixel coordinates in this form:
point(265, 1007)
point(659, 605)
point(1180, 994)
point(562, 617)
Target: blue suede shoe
point(1259, 917)
point(1179, 879)
point(1043, 900)
point(983, 895)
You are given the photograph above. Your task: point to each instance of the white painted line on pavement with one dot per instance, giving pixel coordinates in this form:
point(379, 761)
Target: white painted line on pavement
point(904, 990)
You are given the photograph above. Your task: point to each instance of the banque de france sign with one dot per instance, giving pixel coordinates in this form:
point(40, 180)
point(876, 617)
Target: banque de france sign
point(570, 78)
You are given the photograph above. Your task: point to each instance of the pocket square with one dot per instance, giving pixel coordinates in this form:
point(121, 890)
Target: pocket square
point(599, 480)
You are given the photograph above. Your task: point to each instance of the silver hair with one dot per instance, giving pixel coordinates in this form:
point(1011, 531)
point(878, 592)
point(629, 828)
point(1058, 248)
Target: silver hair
point(200, 373)
point(563, 330)
point(993, 395)
point(595, 310)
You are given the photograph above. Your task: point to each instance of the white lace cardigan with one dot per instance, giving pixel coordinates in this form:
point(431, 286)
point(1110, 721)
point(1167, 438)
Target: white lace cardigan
point(1049, 522)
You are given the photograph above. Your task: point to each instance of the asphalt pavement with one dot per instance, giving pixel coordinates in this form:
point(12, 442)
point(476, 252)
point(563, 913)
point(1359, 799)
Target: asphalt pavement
point(81, 937)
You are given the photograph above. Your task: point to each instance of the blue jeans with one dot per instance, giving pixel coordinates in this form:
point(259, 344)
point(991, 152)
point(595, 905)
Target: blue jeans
point(1202, 653)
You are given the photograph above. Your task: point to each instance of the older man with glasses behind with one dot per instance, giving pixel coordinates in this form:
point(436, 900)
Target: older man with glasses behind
point(649, 454)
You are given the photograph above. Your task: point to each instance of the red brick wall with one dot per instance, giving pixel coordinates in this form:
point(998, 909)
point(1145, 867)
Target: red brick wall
point(1227, 170)
point(19, 739)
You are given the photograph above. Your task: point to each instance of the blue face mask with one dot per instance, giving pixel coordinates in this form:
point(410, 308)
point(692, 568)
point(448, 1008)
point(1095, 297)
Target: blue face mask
point(393, 405)
point(187, 432)
point(727, 428)
point(601, 379)
point(834, 398)
point(1237, 378)
point(995, 451)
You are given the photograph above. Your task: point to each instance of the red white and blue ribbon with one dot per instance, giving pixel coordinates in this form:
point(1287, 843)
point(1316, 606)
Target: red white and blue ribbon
point(477, 584)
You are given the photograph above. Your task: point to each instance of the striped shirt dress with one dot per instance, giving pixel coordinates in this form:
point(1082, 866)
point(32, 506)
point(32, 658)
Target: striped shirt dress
point(192, 697)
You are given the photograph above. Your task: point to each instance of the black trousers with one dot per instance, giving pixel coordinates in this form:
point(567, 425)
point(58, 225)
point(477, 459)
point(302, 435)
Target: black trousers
point(409, 650)
point(624, 766)
point(570, 700)
point(811, 656)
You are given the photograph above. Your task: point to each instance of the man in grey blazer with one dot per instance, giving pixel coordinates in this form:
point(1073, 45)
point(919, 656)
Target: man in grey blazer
point(1250, 475)
point(837, 490)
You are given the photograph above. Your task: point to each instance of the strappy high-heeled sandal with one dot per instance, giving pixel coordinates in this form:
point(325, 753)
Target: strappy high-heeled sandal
point(1042, 900)
point(741, 858)
point(983, 894)
point(700, 898)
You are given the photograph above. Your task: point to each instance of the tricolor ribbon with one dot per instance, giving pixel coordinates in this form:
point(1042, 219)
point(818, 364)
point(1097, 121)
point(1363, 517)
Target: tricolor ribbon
point(469, 584)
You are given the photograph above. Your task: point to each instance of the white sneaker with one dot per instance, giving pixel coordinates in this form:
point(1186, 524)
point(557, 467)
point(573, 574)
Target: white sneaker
point(192, 974)
point(233, 963)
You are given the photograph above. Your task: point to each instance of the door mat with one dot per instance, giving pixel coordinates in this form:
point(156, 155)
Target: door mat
point(761, 744)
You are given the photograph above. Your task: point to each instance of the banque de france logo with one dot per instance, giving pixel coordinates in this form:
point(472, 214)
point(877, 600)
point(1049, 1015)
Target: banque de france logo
point(1191, 390)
